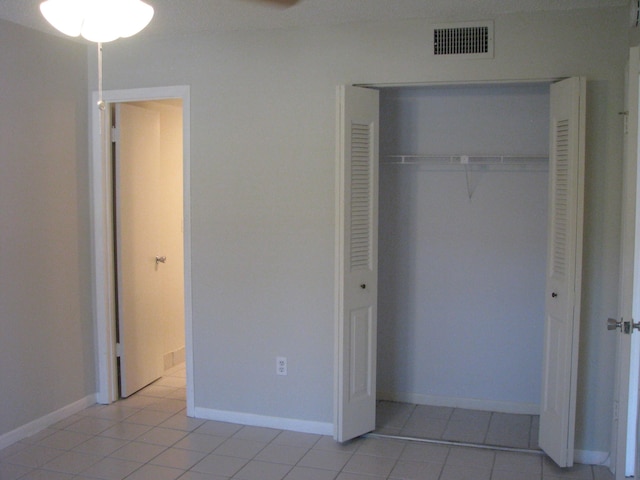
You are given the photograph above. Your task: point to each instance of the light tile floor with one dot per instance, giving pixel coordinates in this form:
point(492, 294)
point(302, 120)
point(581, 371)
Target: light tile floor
point(457, 425)
point(149, 437)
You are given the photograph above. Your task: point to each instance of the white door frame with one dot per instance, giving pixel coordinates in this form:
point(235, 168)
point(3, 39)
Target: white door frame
point(625, 435)
point(102, 236)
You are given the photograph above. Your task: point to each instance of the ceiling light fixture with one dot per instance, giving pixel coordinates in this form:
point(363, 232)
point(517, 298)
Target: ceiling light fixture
point(97, 20)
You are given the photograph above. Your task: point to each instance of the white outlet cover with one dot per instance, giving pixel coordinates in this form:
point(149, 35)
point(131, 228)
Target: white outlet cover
point(281, 365)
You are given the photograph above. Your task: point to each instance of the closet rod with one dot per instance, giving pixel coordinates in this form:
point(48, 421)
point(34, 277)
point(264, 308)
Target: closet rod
point(467, 159)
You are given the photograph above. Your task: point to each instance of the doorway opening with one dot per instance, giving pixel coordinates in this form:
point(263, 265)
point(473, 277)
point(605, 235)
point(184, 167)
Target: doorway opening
point(171, 107)
point(462, 255)
point(146, 161)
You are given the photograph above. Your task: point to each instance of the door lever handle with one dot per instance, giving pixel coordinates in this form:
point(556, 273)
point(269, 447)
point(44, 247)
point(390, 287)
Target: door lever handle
point(161, 260)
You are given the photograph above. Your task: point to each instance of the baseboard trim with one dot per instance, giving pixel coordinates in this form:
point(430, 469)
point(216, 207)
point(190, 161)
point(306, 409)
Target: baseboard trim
point(173, 358)
point(41, 423)
point(589, 457)
point(455, 402)
point(250, 419)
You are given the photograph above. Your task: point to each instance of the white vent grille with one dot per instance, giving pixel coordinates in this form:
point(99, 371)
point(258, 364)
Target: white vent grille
point(468, 39)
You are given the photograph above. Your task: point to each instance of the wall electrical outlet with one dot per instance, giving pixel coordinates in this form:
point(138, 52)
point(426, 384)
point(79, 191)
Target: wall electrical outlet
point(281, 365)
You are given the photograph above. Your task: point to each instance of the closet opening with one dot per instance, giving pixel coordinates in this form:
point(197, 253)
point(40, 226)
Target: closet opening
point(463, 207)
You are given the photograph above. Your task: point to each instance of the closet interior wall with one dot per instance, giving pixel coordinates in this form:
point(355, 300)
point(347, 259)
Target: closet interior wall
point(462, 249)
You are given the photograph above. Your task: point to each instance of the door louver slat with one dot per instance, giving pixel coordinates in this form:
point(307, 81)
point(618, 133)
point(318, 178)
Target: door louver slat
point(561, 198)
point(360, 239)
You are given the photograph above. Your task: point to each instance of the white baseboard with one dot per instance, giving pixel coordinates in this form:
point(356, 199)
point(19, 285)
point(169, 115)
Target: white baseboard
point(455, 402)
point(41, 423)
point(304, 426)
point(589, 457)
point(176, 357)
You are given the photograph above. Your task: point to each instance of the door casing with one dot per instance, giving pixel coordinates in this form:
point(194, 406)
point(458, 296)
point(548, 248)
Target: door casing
point(625, 433)
point(102, 235)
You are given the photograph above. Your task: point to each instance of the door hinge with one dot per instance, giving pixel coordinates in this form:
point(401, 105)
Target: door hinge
point(118, 349)
point(625, 116)
point(115, 135)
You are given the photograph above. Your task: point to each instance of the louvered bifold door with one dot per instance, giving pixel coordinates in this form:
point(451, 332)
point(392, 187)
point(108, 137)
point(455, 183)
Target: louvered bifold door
point(356, 265)
point(564, 270)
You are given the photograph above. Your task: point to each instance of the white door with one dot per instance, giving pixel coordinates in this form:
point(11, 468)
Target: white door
point(564, 270)
point(136, 178)
point(357, 262)
point(625, 425)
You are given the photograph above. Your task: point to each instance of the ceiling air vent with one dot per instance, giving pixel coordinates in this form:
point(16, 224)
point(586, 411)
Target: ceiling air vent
point(464, 39)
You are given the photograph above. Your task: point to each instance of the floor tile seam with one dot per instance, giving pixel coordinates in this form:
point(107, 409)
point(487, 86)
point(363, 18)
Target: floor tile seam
point(49, 469)
point(31, 470)
point(120, 419)
point(172, 445)
point(150, 409)
point(205, 457)
point(150, 425)
point(492, 468)
point(64, 420)
point(390, 457)
point(233, 456)
point(61, 452)
point(158, 391)
point(235, 475)
point(486, 432)
point(116, 420)
point(42, 445)
point(93, 434)
point(350, 456)
point(136, 461)
point(131, 473)
point(342, 470)
point(148, 462)
point(413, 409)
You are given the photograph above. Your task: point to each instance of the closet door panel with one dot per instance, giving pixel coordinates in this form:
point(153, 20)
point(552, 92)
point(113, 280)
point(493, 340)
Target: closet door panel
point(356, 262)
point(564, 270)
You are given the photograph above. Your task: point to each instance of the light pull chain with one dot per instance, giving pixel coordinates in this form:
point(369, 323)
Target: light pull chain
point(100, 99)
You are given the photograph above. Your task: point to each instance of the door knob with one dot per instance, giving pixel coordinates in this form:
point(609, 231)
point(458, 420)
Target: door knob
point(363, 286)
point(613, 324)
point(554, 295)
point(626, 327)
point(161, 260)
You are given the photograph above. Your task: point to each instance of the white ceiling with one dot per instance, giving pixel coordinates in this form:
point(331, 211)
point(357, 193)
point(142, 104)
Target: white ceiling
point(182, 16)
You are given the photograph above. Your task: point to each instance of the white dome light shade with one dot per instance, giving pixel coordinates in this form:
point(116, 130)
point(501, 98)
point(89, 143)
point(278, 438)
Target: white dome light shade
point(97, 20)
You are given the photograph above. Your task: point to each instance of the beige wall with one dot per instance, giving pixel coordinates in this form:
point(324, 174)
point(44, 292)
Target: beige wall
point(262, 162)
point(263, 188)
point(46, 335)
